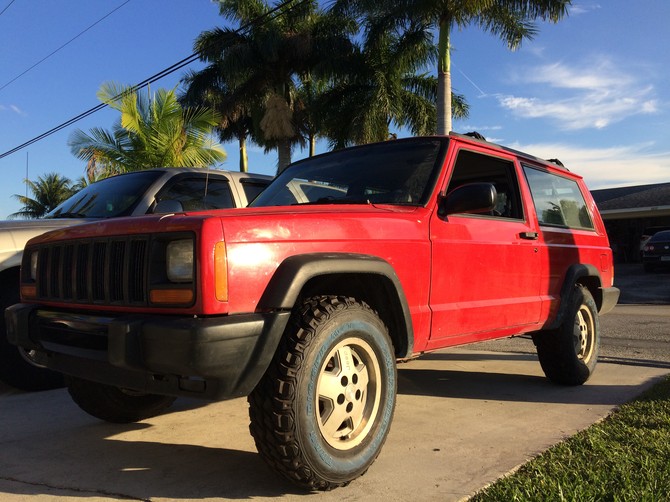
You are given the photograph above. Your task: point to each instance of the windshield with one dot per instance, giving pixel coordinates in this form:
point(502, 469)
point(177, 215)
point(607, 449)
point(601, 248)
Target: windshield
point(400, 172)
point(108, 198)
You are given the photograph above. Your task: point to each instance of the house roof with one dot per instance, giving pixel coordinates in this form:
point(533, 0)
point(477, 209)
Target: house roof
point(641, 196)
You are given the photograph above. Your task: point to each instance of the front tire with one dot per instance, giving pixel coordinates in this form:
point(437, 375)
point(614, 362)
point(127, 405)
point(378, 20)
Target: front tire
point(568, 355)
point(323, 410)
point(113, 404)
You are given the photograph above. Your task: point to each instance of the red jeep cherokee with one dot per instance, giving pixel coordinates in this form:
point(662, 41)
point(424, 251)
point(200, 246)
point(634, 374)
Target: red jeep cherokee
point(304, 301)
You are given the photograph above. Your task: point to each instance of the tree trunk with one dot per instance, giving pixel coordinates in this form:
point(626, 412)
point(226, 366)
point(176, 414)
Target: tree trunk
point(244, 163)
point(312, 145)
point(444, 80)
point(284, 154)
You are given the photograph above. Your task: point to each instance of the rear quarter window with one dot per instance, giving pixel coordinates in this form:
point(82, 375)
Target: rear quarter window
point(558, 200)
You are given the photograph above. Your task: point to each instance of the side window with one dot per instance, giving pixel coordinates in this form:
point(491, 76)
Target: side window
point(558, 200)
point(199, 193)
point(252, 187)
point(472, 167)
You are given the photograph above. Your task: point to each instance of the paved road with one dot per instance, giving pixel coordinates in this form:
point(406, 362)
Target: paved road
point(641, 288)
point(631, 334)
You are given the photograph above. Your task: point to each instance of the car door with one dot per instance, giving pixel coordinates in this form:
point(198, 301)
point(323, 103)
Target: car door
point(486, 268)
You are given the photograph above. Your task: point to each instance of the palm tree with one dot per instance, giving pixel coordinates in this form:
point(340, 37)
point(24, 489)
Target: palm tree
point(209, 87)
point(384, 85)
point(84, 181)
point(309, 110)
point(153, 131)
point(511, 20)
point(48, 191)
point(260, 64)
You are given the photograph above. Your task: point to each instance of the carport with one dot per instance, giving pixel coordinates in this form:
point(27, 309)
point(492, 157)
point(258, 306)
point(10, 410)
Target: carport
point(627, 211)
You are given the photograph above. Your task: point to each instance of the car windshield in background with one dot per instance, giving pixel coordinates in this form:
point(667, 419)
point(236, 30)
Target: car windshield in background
point(400, 172)
point(108, 198)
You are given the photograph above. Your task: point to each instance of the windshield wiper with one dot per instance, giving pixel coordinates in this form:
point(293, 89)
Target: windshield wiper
point(70, 215)
point(335, 200)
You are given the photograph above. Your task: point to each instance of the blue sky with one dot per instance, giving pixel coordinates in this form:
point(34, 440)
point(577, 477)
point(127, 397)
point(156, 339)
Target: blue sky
point(591, 90)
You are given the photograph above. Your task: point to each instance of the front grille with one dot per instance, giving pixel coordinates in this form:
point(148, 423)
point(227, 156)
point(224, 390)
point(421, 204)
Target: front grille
point(112, 271)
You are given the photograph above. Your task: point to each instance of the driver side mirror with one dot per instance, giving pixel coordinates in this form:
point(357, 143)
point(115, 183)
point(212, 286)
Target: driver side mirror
point(471, 198)
point(168, 206)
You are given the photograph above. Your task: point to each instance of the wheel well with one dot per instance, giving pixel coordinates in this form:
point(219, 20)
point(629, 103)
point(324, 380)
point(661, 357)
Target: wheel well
point(592, 283)
point(374, 289)
point(585, 275)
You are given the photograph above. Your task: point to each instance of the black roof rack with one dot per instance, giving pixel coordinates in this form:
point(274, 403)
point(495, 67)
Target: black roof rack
point(476, 135)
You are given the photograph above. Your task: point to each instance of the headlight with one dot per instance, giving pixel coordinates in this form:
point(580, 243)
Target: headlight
point(179, 257)
point(33, 265)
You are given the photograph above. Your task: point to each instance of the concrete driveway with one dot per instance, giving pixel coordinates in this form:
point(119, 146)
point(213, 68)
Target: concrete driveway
point(464, 418)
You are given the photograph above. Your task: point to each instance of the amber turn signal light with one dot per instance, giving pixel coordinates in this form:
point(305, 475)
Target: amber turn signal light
point(171, 296)
point(28, 291)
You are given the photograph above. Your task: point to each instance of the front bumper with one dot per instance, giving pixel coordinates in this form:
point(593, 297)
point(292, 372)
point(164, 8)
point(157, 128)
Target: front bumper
point(214, 358)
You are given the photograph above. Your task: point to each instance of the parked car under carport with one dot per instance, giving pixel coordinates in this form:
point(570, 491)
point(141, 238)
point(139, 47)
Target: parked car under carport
point(656, 253)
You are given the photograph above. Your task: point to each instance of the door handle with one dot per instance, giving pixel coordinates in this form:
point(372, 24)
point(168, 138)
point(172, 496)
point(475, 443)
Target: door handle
point(531, 236)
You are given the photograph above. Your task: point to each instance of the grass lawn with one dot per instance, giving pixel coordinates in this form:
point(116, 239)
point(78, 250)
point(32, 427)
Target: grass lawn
point(625, 457)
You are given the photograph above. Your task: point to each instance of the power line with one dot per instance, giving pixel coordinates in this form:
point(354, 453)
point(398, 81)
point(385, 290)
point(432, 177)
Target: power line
point(62, 46)
point(7, 7)
point(167, 71)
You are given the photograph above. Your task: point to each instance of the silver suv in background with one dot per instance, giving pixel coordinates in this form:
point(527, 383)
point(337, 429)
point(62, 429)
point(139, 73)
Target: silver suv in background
point(153, 191)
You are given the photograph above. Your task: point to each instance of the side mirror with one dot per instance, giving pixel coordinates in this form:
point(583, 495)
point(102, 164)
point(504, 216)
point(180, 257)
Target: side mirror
point(473, 198)
point(168, 206)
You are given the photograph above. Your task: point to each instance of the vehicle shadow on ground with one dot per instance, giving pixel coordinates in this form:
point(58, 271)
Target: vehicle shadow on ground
point(439, 375)
point(69, 450)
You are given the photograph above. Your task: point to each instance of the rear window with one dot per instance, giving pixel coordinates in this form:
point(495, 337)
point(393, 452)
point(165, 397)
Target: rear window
point(558, 201)
point(663, 236)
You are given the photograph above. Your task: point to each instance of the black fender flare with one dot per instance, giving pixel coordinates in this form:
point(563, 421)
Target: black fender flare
point(576, 274)
point(296, 271)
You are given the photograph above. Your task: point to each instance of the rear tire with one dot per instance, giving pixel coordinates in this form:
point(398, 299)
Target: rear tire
point(116, 405)
point(568, 355)
point(322, 412)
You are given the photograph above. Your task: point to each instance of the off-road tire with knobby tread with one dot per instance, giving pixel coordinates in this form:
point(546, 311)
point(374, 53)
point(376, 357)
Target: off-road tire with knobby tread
point(322, 411)
point(568, 355)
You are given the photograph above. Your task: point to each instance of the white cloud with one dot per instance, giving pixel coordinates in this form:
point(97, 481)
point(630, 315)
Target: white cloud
point(607, 167)
point(480, 128)
point(12, 108)
point(578, 9)
point(594, 95)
